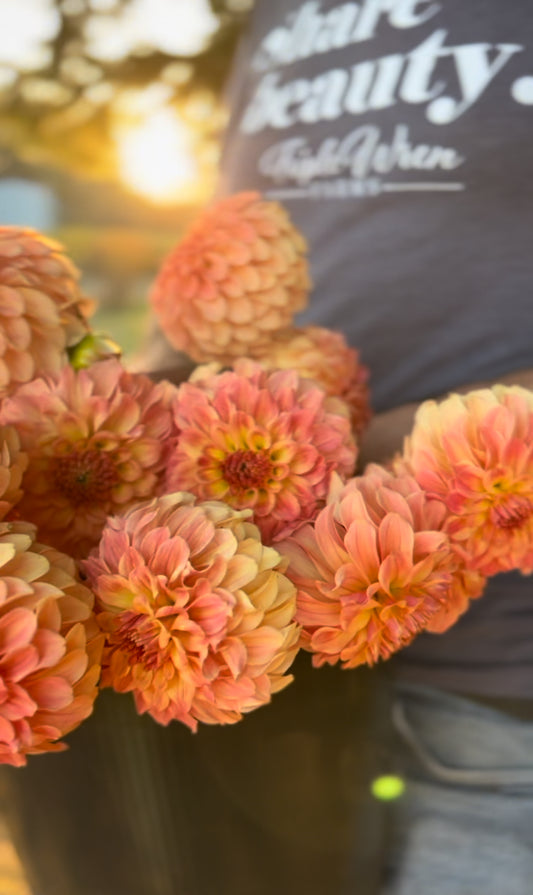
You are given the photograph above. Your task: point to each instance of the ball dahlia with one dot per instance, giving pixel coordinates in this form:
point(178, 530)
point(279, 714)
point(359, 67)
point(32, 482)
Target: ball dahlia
point(50, 646)
point(264, 441)
point(323, 355)
point(197, 611)
point(239, 275)
point(97, 441)
point(42, 310)
point(373, 571)
point(475, 453)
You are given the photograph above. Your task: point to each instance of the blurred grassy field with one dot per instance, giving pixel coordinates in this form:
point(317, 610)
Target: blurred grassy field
point(128, 326)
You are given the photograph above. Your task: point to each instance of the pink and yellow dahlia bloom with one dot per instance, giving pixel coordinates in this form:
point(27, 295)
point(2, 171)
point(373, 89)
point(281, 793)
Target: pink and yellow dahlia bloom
point(239, 275)
point(97, 441)
point(42, 309)
point(266, 441)
point(374, 570)
point(50, 646)
point(323, 355)
point(475, 453)
point(197, 611)
point(13, 463)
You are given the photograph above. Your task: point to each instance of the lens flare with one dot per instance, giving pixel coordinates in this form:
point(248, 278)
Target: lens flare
point(155, 157)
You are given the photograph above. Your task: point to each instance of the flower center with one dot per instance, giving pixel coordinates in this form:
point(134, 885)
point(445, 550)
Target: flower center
point(246, 469)
point(85, 476)
point(138, 637)
point(512, 512)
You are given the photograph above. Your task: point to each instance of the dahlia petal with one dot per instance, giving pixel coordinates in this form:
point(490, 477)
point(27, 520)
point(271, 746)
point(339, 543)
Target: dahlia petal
point(22, 662)
point(216, 310)
point(18, 332)
point(7, 732)
point(313, 613)
point(50, 645)
point(17, 627)
point(328, 539)
point(7, 552)
point(360, 540)
point(18, 366)
point(51, 693)
point(235, 655)
point(73, 666)
point(19, 706)
point(395, 536)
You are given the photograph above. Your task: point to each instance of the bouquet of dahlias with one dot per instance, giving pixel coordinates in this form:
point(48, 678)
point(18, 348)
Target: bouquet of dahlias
point(161, 507)
point(183, 542)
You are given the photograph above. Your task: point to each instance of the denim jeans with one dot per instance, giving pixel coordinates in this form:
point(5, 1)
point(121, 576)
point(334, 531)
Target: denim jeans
point(464, 825)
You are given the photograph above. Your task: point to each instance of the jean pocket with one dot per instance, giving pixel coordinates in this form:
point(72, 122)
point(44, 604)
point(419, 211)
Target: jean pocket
point(517, 774)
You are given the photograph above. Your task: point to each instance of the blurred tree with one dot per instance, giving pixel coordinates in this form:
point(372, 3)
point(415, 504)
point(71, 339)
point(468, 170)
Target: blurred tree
point(103, 62)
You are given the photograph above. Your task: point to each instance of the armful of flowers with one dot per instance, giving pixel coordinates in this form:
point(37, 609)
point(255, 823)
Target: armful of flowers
point(181, 543)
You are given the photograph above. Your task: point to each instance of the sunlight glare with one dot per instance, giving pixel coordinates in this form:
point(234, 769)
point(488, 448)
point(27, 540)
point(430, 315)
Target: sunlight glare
point(25, 26)
point(155, 157)
point(176, 27)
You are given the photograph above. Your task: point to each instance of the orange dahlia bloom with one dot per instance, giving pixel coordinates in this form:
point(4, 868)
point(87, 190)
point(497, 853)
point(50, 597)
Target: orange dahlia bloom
point(50, 646)
point(42, 310)
point(372, 572)
point(13, 463)
point(475, 453)
point(264, 441)
point(97, 441)
point(197, 611)
point(239, 275)
point(323, 355)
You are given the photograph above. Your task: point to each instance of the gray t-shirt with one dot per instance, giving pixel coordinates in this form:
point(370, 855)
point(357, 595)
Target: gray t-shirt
point(398, 133)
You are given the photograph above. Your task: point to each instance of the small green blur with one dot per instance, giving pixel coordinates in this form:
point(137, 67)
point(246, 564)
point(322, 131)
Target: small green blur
point(387, 788)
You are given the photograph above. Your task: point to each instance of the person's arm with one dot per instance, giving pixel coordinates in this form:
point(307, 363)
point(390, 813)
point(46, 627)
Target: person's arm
point(386, 431)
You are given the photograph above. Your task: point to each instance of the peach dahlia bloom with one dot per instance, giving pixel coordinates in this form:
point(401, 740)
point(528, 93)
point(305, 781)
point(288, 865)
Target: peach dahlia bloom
point(97, 441)
point(197, 611)
point(50, 646)
point(13, 463)
point(264, 441)
point(373, 571)
point(323, 355)
point(239, 275)
point(42, 310)
point(475, 453)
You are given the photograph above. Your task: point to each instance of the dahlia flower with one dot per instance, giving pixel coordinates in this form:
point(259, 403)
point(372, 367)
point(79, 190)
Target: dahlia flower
point(197, 611)
point(373, 572)
point(475, 453)
point(13, 463)
point(323, 355)
point(50, 646)
point(42, 310)
point(97, 441)
point(264, 441)
point(239, 275)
